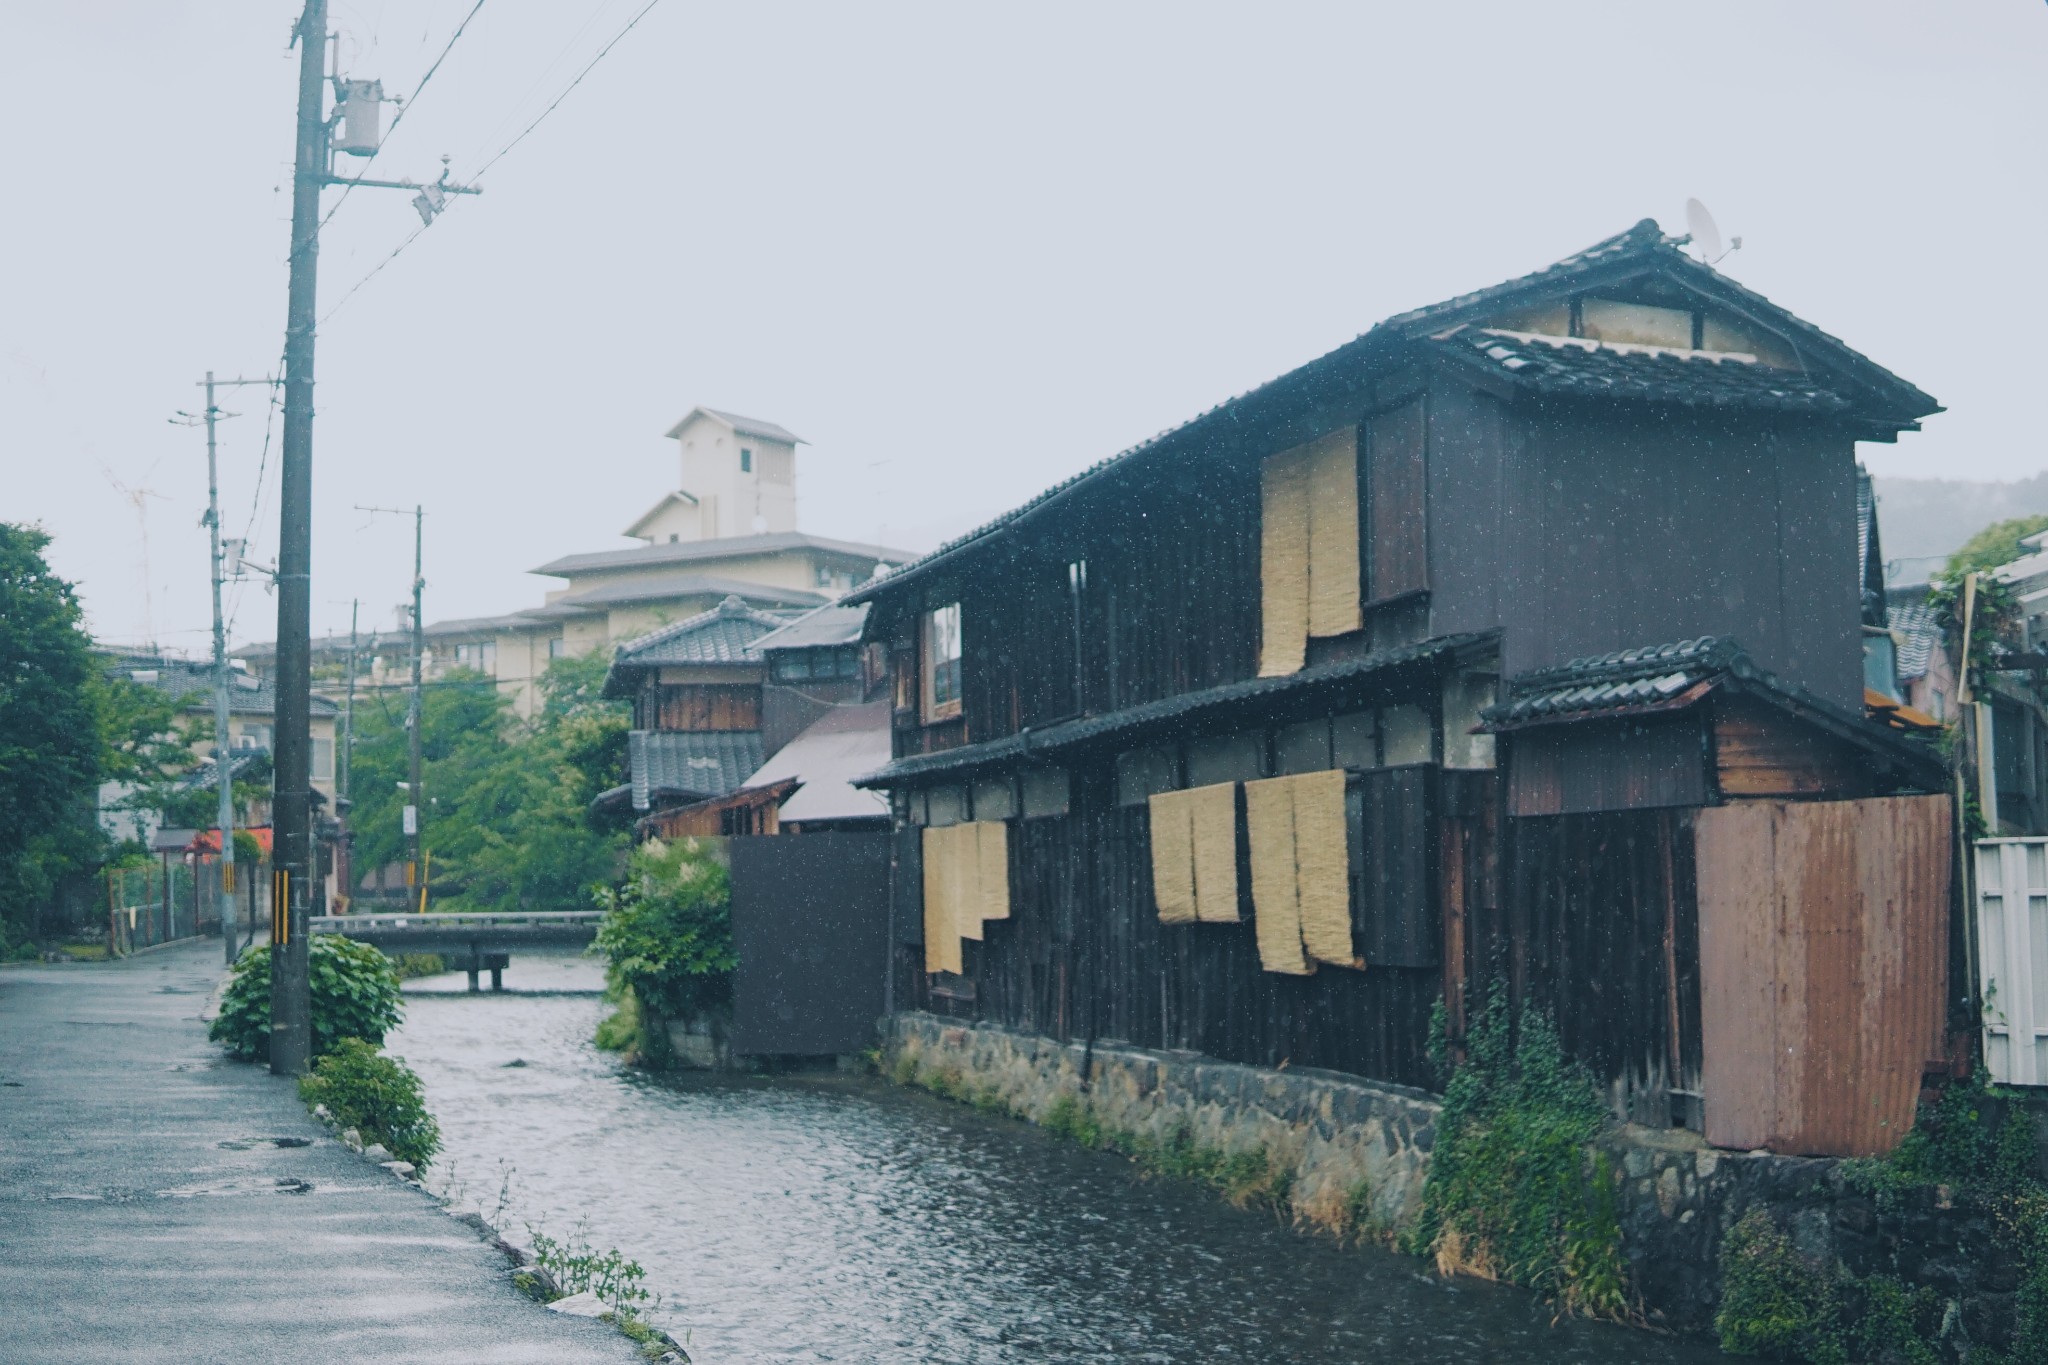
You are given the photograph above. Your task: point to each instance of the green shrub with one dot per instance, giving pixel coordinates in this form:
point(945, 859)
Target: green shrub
point(666, 938)
point(412, 966)
point(376, 1095)
point(577, 1266)
point(1514, 1191)
point(355, 995)
point(1773, 1303)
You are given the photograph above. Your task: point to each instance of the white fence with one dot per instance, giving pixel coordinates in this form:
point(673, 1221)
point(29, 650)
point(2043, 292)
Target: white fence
point(2012, 957)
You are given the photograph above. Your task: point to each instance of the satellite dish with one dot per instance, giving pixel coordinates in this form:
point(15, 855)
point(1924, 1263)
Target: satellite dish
point(1705, 234)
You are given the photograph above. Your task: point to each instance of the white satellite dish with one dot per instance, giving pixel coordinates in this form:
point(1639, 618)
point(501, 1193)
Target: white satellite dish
point(1700, 224)
point(1706, 234)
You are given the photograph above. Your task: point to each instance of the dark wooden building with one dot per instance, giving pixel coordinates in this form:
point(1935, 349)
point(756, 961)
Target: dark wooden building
point(1442, 660)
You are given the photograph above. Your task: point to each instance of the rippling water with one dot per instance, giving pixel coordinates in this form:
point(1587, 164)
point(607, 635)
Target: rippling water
point(829, 1218)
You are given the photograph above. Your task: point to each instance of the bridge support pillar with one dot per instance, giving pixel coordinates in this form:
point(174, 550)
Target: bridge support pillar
point(498, 980)
point(473, 987)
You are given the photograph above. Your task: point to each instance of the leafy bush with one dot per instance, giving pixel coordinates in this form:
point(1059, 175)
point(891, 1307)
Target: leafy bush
point(577, 1266)
point(667, 931)
point(376, 1095)
point(355, 995)
point(1513, 1191)
point(1773, 1303)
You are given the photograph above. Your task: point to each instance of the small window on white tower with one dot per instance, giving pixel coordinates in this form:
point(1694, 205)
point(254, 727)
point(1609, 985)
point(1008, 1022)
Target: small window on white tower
point(746, 460)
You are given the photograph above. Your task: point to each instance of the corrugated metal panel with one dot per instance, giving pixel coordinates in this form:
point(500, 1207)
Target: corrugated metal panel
point(2012, 956)
point(1823, 962)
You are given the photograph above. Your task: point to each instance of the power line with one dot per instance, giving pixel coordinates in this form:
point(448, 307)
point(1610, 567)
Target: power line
point(396, 251)
point(404, 109)
point(630, 25)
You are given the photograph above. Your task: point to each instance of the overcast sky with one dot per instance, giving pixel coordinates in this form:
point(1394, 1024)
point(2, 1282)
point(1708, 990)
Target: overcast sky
point(964, 250)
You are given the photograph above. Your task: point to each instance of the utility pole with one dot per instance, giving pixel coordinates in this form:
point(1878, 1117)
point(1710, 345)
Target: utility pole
point(292, 819)
point(223, 770)
point(415, 800)
point(345, 850)
point(294, 861)
point(222, 767)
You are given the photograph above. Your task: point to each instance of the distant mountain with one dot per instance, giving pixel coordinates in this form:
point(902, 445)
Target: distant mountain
point(1921, 522)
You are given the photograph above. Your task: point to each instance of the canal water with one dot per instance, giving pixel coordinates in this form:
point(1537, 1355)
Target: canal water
point(835, 1218)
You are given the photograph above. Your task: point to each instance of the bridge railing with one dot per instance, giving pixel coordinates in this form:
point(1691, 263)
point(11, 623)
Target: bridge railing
point(445, 920)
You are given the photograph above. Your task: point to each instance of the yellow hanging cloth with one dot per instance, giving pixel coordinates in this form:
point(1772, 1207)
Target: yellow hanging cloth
point(1322, 865)
point(1333, 606)
point(1283, 563)
point(1214, 817)
point(941, 924)
point(1276, 899)
point(1173, 856)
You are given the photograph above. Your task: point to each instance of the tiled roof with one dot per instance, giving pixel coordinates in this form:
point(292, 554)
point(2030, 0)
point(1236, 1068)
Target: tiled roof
point(1643, 248)
point(1631, 682)
point(745, 426)
point(723, 635)
point(1659, 678)
point(826, 626)
point(191, 684)
point(241, 762)
point(725, 547)
point(844, 743)
point(1581, 367)
point(694, 764)
point(1170, 714)
point(1919, 637)
point(658, 587)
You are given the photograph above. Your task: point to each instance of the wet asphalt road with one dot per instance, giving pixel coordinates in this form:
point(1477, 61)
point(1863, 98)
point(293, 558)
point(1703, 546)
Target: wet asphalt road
point(146, 1212)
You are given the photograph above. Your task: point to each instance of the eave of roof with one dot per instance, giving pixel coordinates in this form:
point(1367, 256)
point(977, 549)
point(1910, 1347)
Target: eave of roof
point(1641, 250)
point(725, 547)
point(1135, 722)
point(745, 426)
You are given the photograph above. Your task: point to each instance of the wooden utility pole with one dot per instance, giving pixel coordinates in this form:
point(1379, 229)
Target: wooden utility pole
point(292, 819)
point(222, 768)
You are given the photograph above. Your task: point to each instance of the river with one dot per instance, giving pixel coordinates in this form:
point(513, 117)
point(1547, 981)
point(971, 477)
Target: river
point(837, 1218)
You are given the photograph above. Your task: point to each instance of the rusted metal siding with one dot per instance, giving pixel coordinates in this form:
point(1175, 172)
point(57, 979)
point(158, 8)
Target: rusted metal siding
point(1823, 947)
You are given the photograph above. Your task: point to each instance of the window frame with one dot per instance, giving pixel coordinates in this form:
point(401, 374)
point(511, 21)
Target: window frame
point(935, 708)
point(746, 460)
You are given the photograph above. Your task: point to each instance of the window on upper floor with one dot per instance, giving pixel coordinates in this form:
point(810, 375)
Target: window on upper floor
point(941, 671)
point(557, 647)
point(483, 657)
point(1308, 548)
point(323, 760)
point(746, 460)
point(1395, 491)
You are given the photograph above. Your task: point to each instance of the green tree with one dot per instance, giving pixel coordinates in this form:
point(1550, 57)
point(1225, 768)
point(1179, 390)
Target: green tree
point(508, 815)
point(1995, 545)
point(667, 931)
point(51, 753)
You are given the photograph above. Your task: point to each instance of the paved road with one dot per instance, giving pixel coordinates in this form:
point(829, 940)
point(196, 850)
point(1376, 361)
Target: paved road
point(145, 1212)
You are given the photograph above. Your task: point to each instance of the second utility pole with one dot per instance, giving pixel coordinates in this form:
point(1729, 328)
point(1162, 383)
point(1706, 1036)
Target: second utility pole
point(416, 805)
point(291, 1039)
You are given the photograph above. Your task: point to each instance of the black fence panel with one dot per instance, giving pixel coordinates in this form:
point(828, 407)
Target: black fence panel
point(810, 925)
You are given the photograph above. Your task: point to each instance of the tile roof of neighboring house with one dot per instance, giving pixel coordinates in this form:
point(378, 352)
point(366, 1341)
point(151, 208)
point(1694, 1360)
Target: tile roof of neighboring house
point(1888, 400)
point(844, 743)
point(1172, 714)
point(726, 634)
point(239, 765)
point(655, 588)
point(690, 764)
point(725, 547)
point(1580, 367)
point(745, 426)
point(1632, 682)
point(1662, 678)
point(1919, 637)
point(191, 684)
point(833, 625)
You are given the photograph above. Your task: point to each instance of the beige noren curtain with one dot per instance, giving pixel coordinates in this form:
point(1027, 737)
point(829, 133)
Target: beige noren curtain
point(1301, 889)
point(966, 881)
point(1308, 548)
point(1194, 854)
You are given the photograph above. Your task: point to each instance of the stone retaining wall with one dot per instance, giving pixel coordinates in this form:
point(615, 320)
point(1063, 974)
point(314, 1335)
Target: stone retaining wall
point(1360, 1154)
point(1356, 1148)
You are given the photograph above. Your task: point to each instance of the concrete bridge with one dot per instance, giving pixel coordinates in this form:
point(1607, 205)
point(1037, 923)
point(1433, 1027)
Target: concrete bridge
point(470, 943)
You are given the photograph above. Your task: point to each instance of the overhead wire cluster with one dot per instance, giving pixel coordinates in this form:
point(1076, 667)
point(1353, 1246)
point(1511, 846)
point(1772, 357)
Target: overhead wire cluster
point(499, 155)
